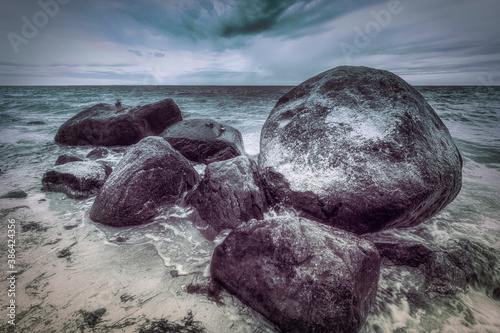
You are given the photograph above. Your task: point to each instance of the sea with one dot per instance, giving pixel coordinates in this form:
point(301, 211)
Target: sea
point(159, 271)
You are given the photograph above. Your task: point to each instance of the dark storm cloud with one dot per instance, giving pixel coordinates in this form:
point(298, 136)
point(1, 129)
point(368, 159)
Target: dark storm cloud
point(255, 17)
point(285, 17)
point(205, 19)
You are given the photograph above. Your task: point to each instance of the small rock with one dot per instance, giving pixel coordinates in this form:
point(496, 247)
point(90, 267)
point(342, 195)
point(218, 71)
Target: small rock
point(401, 251)
point(63, 159)
point(121, 239)
point(70, 226)
point(14, 194)
point(97, 153)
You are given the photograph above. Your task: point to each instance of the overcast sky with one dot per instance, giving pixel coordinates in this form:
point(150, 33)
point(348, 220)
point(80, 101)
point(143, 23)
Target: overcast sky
point(247, 42)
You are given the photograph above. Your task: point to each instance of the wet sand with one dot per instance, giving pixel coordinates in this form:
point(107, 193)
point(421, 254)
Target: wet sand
point(70, 269)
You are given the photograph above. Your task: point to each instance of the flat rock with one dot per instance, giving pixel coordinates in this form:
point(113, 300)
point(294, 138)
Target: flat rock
point(114, 125)
point(79, 180)
point(360, 149)
point(205, 140)
point(301, 275)
point(402, 251)
point(447, 269)
point(229, 193)
point(150, 174)
point(63, 159)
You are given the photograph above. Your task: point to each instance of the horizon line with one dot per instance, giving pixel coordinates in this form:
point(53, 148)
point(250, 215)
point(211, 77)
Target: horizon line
point(218, 85)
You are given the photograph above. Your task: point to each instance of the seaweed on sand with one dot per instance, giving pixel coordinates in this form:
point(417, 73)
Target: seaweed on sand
point(186, 325)
point(33, 226)
point(64, 253)
point(92, 318)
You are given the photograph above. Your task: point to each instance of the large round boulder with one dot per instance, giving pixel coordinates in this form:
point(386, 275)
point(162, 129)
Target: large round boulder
point(150, 174)
point(230, 193)
point(301, 275)
point(205, 140)
point(78, 179)
point(360, 149)
point(113, 125)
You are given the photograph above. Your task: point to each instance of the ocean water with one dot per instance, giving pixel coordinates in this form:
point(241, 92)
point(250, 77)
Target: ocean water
point(29, 119)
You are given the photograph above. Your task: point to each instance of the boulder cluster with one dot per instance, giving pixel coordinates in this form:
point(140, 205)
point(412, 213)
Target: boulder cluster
point(353, 151)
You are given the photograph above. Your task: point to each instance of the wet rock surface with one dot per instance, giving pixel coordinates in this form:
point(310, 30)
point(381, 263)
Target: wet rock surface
point(205, 140)
point(113, 125)
point(150, 174)
point(301, 275)
point(63, 159)
point(447, 269)
point(98, 153)
point(229, 193)
point(79, 179)
point(402, 251)
point(360, 149)
point(14, 194)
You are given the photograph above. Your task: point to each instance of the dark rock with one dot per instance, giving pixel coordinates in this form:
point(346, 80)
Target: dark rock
point(79, 180)
point(480, 264)
point(63, 159)
point(107, 168)
point(230, 193)
point(113, 125)
point(205, 140)
point(301, 275)
point(360, 149)
point(97, 153)
point(37, 122)
point(401, 251)
point(14, 194)
point(71, 226)
point(443, 276)
point(447, 269)
point(150, 174)
point(119, 150)
point(121, 239)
